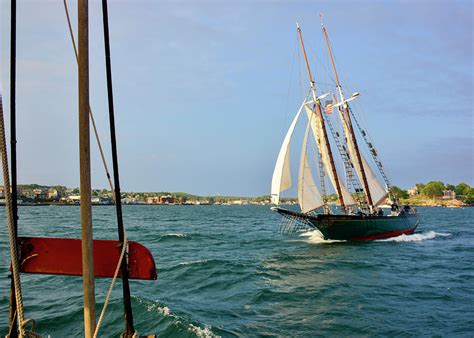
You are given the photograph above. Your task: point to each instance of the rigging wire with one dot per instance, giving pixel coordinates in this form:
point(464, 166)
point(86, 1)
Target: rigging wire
point(96, 133)
point(286, 110)
point(367, 138)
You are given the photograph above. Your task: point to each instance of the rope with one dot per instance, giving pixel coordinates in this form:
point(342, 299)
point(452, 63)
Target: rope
point(11, 230)
point(112, 284)
point(96, 133)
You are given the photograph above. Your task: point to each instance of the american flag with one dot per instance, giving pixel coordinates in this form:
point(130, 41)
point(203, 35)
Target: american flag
point(328, 107)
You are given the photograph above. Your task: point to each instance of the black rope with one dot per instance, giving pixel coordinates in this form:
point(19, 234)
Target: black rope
point(129, 329)
point(13, 318)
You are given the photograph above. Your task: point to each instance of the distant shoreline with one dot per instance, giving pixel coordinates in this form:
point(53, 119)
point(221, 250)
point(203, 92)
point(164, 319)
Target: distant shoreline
point(442, 204)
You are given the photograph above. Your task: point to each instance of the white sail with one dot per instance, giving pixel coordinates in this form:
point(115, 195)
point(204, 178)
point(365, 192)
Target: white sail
point(309, 196)
point(317, 128)
point(377, 190)
point(281, 180)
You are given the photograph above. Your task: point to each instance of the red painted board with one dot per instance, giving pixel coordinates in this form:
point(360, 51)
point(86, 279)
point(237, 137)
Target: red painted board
point(62, 256)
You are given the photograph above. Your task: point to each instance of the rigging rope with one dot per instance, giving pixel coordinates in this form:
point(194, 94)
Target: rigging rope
point(101, 151)
point(96, 133)
point(11, 231)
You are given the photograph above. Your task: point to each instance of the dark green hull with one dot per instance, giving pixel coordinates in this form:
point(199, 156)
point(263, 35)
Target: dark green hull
point(358, 227)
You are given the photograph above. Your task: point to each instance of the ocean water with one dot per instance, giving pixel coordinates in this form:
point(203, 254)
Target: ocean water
point(227, 271)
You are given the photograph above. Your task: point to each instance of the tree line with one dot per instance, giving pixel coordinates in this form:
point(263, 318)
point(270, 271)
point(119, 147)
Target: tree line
point(436, 189)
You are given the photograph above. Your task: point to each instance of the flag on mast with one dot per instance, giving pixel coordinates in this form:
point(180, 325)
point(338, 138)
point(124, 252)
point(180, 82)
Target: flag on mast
point(328, 107)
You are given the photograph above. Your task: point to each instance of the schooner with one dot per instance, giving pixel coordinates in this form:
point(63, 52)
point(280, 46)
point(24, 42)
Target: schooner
point(359, 216)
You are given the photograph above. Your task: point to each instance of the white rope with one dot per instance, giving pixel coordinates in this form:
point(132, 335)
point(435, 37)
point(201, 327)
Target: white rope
point(96, 133)
point(125, 240)
point(112, 284)
point(11, 230)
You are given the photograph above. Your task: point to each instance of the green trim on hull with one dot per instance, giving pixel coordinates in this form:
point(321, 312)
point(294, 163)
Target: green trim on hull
point(358, 227)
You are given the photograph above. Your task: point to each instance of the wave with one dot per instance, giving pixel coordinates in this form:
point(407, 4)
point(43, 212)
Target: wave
point(178, 323)
point(316, 237)
point(161, 309)
point(172, 236)
point(198, 262)
point(202, 332)
point(417, 237)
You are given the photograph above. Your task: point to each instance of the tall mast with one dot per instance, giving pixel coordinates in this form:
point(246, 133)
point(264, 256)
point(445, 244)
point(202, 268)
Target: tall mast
point(320, 115)
point(348, 120)
point(85, 170)
point(129, 329)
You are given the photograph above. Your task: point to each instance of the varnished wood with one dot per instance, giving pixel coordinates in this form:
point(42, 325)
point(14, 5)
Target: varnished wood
point(85, 177)
point(349, 124)
point(323, 126)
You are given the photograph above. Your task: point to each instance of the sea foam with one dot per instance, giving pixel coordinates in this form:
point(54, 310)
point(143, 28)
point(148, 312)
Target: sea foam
point(202, 332)
point(417, 237)
point(316, 237)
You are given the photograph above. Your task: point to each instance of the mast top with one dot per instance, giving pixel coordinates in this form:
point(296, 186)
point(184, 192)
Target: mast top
point(321, 19)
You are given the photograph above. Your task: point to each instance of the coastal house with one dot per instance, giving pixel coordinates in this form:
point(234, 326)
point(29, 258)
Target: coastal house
point(28, 193)
point(153, 200)
point(75, 199)
point(413, 191)
point(449, 194)
point(52, 194)
point(40, 193)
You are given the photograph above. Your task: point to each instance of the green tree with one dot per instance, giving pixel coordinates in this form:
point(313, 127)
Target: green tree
point(399, 193)
point(462, 189)
point(419, 188)
point(450, 187)
point(433, 189)
point(469, 197)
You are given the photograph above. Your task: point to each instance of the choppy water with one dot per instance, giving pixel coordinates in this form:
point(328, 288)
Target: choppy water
point(225, 270)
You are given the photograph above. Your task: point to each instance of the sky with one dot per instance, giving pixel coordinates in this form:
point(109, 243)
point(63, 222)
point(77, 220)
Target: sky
point(205, 90)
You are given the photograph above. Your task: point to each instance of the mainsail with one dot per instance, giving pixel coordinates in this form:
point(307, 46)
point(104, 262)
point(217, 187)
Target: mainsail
point(281, 180)
point(377, 190)
point(316, 127)
point(309, 196)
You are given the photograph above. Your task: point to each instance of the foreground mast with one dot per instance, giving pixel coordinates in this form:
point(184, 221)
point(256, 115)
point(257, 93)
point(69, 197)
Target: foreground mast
point(323, 126)
point(85, 170)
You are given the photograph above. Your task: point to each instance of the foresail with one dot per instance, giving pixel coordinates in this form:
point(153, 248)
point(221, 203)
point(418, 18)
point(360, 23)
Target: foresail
point(377, 190)
point(309, 196)
point(317, 130)
point(281, 180)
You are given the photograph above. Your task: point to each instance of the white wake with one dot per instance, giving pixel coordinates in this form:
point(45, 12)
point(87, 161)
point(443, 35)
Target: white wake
point(417, 237)
point(316, 237)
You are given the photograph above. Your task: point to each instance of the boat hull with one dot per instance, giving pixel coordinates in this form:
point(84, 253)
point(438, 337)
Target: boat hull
point(358, 227)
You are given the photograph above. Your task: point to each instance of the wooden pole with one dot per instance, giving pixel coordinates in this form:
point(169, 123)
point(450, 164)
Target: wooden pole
point(12, 317)
point(323, 125)
point(128, 314)
point(349, 122)
point(85, 175)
